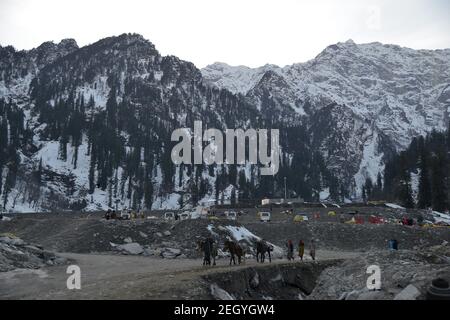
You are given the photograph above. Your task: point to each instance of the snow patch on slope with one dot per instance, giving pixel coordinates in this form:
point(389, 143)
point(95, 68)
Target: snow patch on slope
point(371, 163)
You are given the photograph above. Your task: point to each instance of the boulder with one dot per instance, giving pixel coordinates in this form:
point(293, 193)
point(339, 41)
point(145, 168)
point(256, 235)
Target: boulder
point(167, 233)
point(142, 234)
point(409, 293)
point(13, 241)
point(174, 251)
point(131, 248)
point(170, 253)
point(128, 240)
point(149, 252)
point(220, 294)
point(254, 282)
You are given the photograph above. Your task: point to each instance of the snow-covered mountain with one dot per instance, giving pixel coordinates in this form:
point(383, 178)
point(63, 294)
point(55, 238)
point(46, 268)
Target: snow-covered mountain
point(18, 68)
point(359, 100)
point(89, 128)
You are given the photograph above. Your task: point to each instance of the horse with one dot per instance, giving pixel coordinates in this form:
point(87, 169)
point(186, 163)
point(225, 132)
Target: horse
point(203, 247)
point(261, 249)
point(235, 250)
point(209, 249)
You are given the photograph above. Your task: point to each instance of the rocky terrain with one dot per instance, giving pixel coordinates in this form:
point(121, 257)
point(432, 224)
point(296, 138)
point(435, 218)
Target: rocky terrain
point(17, 254)
point(153, 235)
point(405, 275)
point(132, 254)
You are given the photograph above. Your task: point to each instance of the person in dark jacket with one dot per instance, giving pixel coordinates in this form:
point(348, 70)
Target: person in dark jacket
point(290, 253)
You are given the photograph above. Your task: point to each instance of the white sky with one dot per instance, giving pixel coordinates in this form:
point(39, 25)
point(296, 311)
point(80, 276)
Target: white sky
point(239, 32)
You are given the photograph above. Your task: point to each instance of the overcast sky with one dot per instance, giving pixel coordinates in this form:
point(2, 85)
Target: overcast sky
point(239, 32)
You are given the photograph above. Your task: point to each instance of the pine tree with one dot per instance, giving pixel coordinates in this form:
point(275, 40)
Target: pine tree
point(334, 189)
point(406, 195)
point(438, 182)
point(75, 157)
point(38, 175)
point(379, 182)
point(148, 194)
point(63, 149)
point(233, 196)
point(368, 188)
point(424, 196)
point(92, 174)
point(405, 192)
point(110, 194)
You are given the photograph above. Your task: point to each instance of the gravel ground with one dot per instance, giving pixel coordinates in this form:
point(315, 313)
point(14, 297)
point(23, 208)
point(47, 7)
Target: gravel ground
point(167, 265)
point(106, 276)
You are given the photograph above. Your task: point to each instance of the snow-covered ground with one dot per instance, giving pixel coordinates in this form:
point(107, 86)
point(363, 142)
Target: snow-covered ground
point(441, 217)
point(243, 234)
point(394, 206)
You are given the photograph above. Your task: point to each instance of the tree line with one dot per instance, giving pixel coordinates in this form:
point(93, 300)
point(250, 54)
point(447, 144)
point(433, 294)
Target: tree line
point(418, 177)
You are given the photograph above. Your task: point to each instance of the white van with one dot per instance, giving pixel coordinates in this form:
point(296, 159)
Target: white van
point(184, 216)
point(231, 215)
point(170, 216)
point(264, 216)
point(125, 214)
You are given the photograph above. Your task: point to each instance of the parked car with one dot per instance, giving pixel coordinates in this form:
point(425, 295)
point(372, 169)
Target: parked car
point(300, 218)
point(170, 216)
point(231, 215)
point(264, 216)
point(125, 214)
point(184, 216)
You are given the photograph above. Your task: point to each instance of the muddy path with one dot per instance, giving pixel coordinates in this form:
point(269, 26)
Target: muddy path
point(105, 276)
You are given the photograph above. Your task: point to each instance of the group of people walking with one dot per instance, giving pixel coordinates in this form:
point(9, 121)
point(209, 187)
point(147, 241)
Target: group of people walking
point(301, 249)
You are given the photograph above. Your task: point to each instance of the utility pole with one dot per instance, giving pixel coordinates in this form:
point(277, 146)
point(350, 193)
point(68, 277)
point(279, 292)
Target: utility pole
point(285, 191)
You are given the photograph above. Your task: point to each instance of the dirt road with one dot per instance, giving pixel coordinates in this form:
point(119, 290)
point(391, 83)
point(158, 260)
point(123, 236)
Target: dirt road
point(123, 277)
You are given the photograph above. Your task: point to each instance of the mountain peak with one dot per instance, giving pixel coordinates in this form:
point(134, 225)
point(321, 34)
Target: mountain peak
point(350, 42)
point(126, 40)
point(68, 43)
point(132, 38)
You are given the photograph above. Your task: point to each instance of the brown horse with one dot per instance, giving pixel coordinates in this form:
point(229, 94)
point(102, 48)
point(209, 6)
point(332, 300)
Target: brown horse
point(235, 250)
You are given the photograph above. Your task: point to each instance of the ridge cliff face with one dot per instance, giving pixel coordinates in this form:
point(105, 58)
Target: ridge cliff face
point(358, 100)
point(90, 128)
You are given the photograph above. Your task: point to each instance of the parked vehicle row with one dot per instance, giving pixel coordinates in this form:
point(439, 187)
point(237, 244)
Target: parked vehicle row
point(171, 216)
